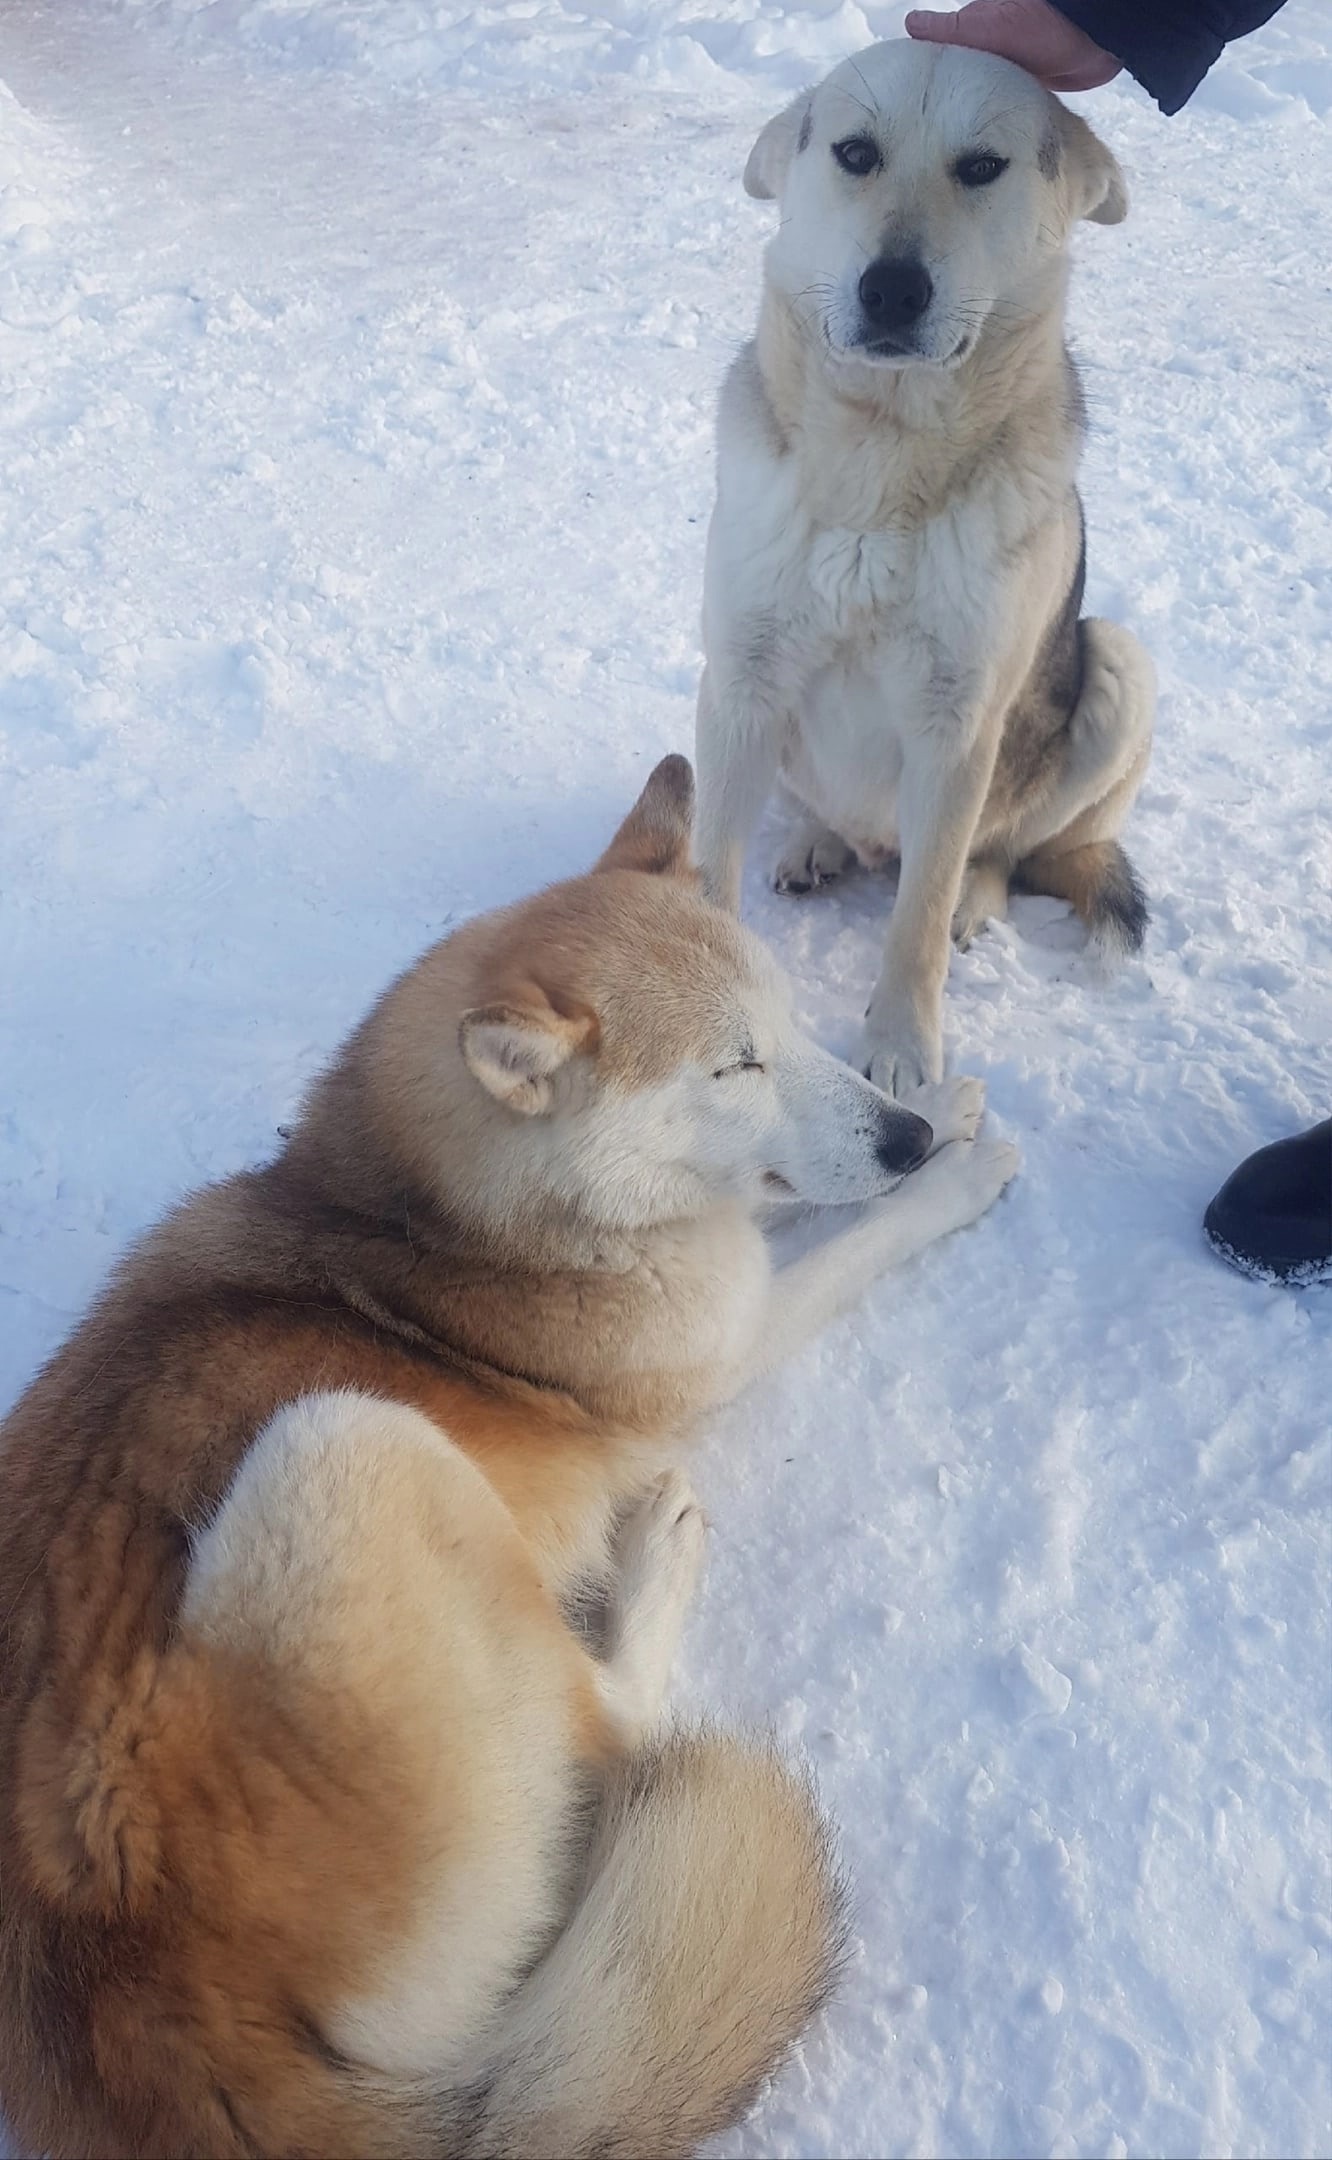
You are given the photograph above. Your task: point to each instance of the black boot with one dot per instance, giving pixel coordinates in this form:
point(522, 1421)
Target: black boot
point(1273, 1216)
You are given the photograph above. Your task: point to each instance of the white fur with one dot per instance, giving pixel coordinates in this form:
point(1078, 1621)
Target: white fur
point(659, 1553)
point(759, 1112)
point(892, 529)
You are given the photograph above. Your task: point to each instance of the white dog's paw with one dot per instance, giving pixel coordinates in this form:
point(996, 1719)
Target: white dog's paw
point(902, 1064)
point(813, 856)
point(967, 1176)
point(658, 1552)
point(953, 1107)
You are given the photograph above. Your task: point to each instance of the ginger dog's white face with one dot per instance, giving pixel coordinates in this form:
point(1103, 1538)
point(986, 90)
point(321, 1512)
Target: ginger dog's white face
point(924, 193)
point(734, 1100)
point(639, 1054)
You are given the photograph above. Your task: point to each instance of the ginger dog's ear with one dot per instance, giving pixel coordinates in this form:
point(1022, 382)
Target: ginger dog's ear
point(516, 1048)
point(1095, 184)
point(656, 834)
point(770, 159)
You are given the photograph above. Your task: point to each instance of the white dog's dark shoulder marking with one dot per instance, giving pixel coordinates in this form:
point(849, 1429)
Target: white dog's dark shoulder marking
point(892, 612)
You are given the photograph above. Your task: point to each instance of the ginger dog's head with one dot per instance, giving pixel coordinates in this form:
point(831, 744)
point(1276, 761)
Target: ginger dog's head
point(613, 1053)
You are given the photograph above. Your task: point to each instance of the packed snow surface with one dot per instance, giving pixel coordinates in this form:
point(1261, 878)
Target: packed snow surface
point(357, 364)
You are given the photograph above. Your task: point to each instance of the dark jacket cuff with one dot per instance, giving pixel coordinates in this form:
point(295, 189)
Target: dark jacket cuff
point(1165, 47)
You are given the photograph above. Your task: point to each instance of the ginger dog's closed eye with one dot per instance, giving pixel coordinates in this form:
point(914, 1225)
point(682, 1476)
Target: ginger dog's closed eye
point(895, 563)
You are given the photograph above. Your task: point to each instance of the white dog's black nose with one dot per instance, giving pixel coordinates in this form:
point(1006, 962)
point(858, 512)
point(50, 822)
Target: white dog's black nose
point(904, 1140)
point(895, 292)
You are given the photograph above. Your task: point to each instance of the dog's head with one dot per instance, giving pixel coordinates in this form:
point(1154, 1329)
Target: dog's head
point(618, 1052)
point(925, 192)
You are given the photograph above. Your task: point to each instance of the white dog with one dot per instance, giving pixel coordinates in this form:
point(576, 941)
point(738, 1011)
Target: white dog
point(895, 563)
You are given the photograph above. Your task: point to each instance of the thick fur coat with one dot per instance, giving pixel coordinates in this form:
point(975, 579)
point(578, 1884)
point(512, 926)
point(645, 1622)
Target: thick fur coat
point(895, 562)
point(324, 1829)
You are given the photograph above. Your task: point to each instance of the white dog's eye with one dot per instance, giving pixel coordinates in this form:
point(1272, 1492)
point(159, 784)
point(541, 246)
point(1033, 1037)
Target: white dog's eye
point(858, 155)
point(742, 1065)
point(980, 170)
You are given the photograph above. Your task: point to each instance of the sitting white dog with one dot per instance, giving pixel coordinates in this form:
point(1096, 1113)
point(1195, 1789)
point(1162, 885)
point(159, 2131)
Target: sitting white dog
point(895, 563)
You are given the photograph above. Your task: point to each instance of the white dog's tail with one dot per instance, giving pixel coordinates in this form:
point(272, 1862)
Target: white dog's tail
point(709, 1931)
point(1101, 886)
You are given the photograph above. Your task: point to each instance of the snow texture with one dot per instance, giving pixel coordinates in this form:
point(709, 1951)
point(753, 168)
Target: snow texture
point(357, 364)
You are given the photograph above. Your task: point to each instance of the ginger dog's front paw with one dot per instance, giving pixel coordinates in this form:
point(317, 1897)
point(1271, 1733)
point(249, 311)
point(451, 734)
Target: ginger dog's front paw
point(966, 1177)
point(954, 1108)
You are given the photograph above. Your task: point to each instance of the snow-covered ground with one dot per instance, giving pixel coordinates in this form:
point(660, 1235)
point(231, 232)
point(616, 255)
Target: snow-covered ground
point(357, 360)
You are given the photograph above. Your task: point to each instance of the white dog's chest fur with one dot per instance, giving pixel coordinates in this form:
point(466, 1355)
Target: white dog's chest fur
point(884, 633)
point(874, 601)
point(852, 576)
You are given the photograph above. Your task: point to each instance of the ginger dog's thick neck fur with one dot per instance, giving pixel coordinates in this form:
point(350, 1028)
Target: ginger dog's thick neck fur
point(298, 1755)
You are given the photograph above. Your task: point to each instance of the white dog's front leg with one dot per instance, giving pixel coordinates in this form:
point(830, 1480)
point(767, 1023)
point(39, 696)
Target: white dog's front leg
point(738, 740)
point(959, 1182)
point(943, 791)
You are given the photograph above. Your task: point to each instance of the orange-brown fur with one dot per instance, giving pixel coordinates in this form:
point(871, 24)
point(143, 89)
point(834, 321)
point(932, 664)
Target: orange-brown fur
point(203, 1855)
point(159, 1811)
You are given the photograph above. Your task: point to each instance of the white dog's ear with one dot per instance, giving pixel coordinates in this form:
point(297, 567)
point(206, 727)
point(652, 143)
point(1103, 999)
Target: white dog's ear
point(770, 158)
point(516, 1049)
point(1096, 188)
point(656, 834)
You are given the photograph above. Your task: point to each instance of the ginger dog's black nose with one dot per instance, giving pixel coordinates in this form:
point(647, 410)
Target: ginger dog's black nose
point(904, 1140)
point(895, 292)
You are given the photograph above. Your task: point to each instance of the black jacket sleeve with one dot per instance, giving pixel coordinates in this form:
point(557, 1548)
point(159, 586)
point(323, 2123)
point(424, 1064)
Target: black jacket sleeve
point(1167, 44)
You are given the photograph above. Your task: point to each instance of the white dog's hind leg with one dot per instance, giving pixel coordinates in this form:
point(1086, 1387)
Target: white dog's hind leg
point(1070, 846)
point(658, 1555)
point(1107, 743)
point(814, 856)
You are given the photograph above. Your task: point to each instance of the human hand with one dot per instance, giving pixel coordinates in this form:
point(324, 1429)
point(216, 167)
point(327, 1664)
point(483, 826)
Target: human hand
point(1030, 32)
